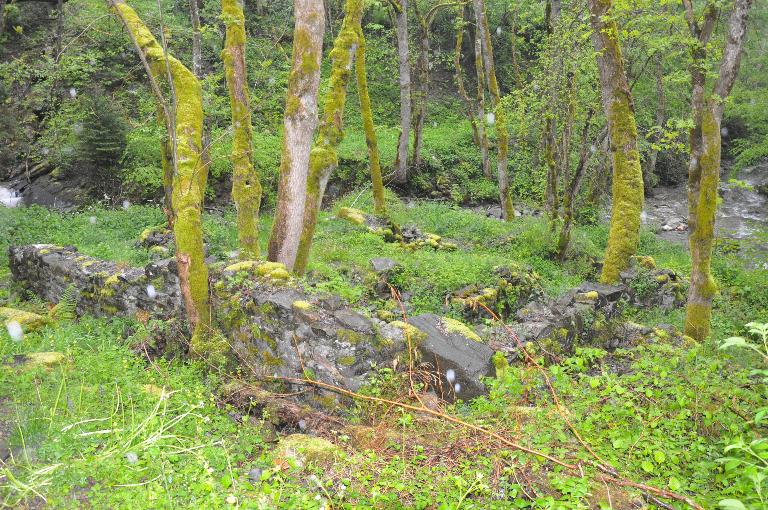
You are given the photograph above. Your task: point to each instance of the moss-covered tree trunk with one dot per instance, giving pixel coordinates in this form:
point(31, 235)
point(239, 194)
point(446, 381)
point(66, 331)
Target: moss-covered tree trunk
point(704, 165)
point(627, 192)
point(189, 176)
point(366, 112)
point(401, 25)
point(300, 123)
point(459, 74)
point(502, 133)
point(324, 157)
point(246, 187)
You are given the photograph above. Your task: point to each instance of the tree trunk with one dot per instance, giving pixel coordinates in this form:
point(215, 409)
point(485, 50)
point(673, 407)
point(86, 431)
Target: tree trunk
point(627, 192)
point(502, 135)
point(324, 157)
point(2, 17)
point(300, 123)
point(401, 24)
point(481, 125)
point(704, 166)
point(650, 169)
point(190, 175)
point(469, 105)
point(366, 112)
point(246, 188)
point(422, 93)
point(59, 27)
point(197, 49)
point(570, 193)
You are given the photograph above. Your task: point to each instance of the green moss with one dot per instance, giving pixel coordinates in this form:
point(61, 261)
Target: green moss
point(270, 359)
point(454, 326)
point(352, 215)
point(350, 336)
point(501, 364)
point(412, 333)
point(347, 361)
point(27, 320)
point(627, 192)
point(302, 305)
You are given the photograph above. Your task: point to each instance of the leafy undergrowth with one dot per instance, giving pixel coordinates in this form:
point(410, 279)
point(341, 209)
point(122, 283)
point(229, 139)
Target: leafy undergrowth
point(110, 429)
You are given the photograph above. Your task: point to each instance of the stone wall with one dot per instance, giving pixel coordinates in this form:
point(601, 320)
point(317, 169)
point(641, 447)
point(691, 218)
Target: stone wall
point(273, 325)
point(103, 288)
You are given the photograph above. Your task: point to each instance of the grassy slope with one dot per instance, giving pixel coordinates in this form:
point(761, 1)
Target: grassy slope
point(664, 422)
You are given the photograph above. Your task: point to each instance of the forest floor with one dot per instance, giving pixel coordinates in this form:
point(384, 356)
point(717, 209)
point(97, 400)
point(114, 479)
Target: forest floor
point(110, 428)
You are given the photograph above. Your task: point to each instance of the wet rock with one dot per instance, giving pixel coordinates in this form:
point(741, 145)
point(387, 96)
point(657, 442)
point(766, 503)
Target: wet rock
point(449, 345)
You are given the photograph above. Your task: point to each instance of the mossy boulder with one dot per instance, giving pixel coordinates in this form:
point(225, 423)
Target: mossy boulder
point(32, 360)
point(303, 450)
point(28, 321)
point(458, 357)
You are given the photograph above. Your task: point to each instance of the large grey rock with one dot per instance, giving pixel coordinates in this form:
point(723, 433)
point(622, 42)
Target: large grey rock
point(447, 347)
point(384, 265)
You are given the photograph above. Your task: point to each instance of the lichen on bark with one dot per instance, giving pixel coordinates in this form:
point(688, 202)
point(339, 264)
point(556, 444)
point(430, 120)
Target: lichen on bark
point(627, 189)
point(502, 132)
point(366, 112)
point(323, 159)
point(246, 187)
point(300, 121)
point(189, 173)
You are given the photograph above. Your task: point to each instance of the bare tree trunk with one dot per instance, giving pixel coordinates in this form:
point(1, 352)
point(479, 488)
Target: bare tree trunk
point(469, 105)
point(324, 156)
point(197, 50)
point(300, 124)
point(502, 135)
point(704, 166)
point(190, 175)
point(246, 188)
point(366, 112)
point(650, 169)
point(627, 191)
point(401, 24)
point(422, 93)
point(481, 125)
point(573, 189)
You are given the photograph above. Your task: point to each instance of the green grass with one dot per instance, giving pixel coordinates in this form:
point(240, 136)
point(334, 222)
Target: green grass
point(89, 434)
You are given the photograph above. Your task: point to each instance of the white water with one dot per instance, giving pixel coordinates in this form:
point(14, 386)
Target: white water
point(9, 198)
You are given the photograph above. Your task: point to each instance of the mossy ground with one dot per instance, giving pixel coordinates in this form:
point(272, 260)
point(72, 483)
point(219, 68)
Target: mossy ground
point(88, 434)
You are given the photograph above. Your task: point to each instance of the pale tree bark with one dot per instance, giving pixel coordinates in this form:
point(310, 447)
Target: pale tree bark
point(422, 91)
point(366, 112)
point(482, 130)
point(324, 157)
point(704, 165)
point(627, 190)
point(197, 48)
point(246, 188)
point(401, 25)
point(552, 198)
point(459, 75)
point(502, 133)
point(189, 175)
point(300, 123)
